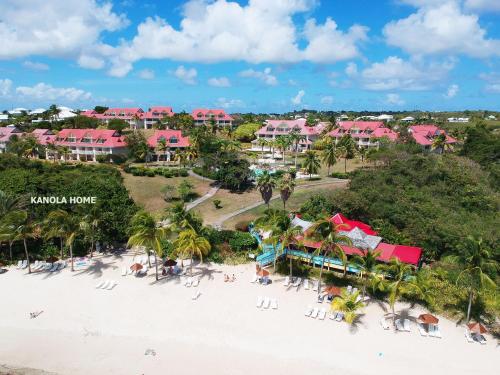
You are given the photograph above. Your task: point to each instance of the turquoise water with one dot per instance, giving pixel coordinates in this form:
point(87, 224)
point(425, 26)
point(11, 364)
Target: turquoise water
point(258, 172)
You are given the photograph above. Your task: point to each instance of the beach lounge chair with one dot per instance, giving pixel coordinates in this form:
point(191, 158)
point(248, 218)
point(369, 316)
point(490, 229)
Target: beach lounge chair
point(274, 303)
point(322, 314)
point(297, 283)
point(399, 325)
point(189, 282)
point(196, 282)
point(332, 315)
point(349, 289)
point(35, 265)
point(306, 284)
point(111, 285)
point(339, 317)
point(124, 271)
point(254, 279)
point(260, 300)
point(384, 323)
point(468, 336)
point(47, 266)
point(24, 264)
point(421, 329)
point(54, 267)
point(308, 311)
point(287, 281)
point(406, 325)
point(196, 295)
point(267, 302)
point(316, 285)
point(481, 339)
point(354, 290)
point(100, 284)
point(437, 332)
point(19, 264)
point(314, 313)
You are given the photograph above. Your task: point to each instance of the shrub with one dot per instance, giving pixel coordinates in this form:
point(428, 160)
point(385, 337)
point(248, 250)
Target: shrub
point(150, 173)
point(138, 172)
point(102, 158)
point(167, 173)
point(241, 241)
point(217, 203)
point(183, 172)
point(117, 159)
point(341, 175)
point(242, 226)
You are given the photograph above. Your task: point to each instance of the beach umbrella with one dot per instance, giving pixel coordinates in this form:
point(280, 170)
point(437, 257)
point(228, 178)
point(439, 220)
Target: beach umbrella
point(428, 319)
point(136, 267)
point(333, 290)
point(170, 263)
point(477, 328)
point(262, 273)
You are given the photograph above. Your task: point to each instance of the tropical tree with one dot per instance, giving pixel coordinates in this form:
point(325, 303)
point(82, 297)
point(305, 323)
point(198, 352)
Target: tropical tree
point(163, 148)
point(349, 304)
point(295, 138)
point(191, 154)
point(262, 142)
point(89, 224)
point(331, 245)
point(64, 151)
point(363, 153)
point(181, 157)
point(283, 142)
point(54, 112)
point(54, 226)
point(347, 149)
point(31, 147)
point(286, 185)
point(191, 243)
point(145, 232)
point(478, 266)
point(265, 184)
point(311, 163)
point(439, 143)
point(329, 154)
point(399, 281)
point(288, 237)
point(22, 228)
point(367, 263)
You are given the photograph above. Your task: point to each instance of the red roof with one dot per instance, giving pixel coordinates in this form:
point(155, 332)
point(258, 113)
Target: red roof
point(406, 254)
point(205, 114)
point(7, 132)
point(366, 129)
point(348, 225)
point(43, 136)
point(424, 134)
point(158, 112)
point(170, 137)
point(99, 138)
point(282, 127)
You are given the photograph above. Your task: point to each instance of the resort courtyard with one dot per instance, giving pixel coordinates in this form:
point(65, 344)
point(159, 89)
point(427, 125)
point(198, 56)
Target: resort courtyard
point(142, 326)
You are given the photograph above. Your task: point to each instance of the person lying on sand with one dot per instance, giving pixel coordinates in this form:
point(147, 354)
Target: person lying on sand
point(35, 314)
point(233, 278)
point(226, 278)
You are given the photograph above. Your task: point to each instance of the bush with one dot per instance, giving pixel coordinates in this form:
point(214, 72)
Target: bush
point(117, 159)
point(183, 172)
point(217, 203)
point(241, 241)
point(150, 173)
point(242, 226)
point(167, 173)
point(127, 168)
point(341, 175)
point(138, 171)
point(102, 158)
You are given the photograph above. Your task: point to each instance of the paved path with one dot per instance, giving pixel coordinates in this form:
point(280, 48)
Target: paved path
point(218, 223)
point(202, 199)
point(191, 173)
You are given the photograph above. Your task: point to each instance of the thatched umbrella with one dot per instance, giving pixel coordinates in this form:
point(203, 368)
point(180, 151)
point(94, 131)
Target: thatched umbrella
point(333, 290)
point(428, 319)
point(477, 328)
point(136, 267)
point(262, 273)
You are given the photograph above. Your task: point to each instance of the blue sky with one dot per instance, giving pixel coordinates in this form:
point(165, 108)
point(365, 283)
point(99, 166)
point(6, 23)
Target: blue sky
point(252, 56)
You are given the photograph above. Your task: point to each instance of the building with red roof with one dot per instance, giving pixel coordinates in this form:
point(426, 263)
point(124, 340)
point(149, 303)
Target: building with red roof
point(204, 116)
point(364, 133)
point(6, 133)
point(43, 136)
point(87, 144)
point(155, 115)
point(425, 135)
point(135, 117)
point(174, 140)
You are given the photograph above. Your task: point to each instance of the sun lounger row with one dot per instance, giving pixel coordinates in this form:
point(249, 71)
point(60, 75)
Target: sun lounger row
point(191, 281)
point(266, 302)
point(474, 338)
point(316, 313)
point(107, 285)
point(22, 264)
point(403, 326)
point(50, 267)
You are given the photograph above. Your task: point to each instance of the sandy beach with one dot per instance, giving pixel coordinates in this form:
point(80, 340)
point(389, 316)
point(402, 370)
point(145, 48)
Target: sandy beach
point(84, 330)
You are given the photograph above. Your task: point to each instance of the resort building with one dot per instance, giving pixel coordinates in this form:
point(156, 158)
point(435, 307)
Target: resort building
point(274, 129)
point(43, 136)
point(425, 135)
point(6, 133)
point(4, 118)
point(362, 236)
point(87, 144)
point(155, 115)
point(174, 140)
point(132, 116)
point(205, 116)
point(458, 119)
point(365, 133)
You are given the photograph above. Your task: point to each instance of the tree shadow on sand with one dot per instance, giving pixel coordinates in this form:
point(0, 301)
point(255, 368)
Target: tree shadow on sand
point(95, 269)
point(356, 324)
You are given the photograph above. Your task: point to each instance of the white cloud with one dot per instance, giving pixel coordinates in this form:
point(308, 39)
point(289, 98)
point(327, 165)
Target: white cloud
point(91, 62)
point(328, 100)
point(147, 74)
point(452, 91)
point(265, 76)
point(188, 76)
point(229, 103)
point(54, 28)
point(33, 65)
point(492, 81)
point(261, 31)
point(396, 73)
point(394, 99)
point(44, 91)
point(5, 87)
point(351, 69)
point(219, 82)
point(441, 28)
point(483, 5)
point(297, 100)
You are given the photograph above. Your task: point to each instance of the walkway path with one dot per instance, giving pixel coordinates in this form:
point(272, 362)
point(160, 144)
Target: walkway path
point(218, 223)
point(192, 174)
point(202, 199)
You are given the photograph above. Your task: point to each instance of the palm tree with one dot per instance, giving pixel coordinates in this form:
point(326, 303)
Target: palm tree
point(31, 147)
point(23, 228)
point(89, 225)
point(191, 154)
point(181, 157)
point(191, 243)
point(363, 152)
point(72, 231)
point(9, 204)
point(54, 112)
point(439, 143)
point(145, 232)
point(64, 151)
point(54, 226)
point(162, 147)
point(329, 154)
point(347, 149)
point(295, 138)
point(331, 244)
point(262, 142)
point(289, 237)
point(367, 263)
point(286, 185)
point(311, 163)
point(266, 183)
point(399, 281)
point(349, 304)
point(283, 142)
point(478, 263)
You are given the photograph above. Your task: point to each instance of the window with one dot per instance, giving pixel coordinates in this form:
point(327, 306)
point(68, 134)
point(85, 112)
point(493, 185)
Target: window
point(173, 140)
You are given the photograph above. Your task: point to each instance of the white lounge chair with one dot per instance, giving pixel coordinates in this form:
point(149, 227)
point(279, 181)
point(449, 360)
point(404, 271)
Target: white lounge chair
point(254, 279)
point(354, 290)
point(19, 264)
point(421, 329)
point(349, 289)
point(259, 302)
point(315, 313)
point(322, 314)
point(384, 323)
point(339, 317)
point(196, 282)
point(101, 284)
point(481, 339)
point(47, 266)
point(308, 311)
point(24, 265)
point(274, 303)
point(287, 281)
point(124, 271)
point(189, 282)
point(297, 282)
point(437, 332)
point(406, 325)
point(306, 284)
point(267, 302)
point(196, 295)
point(54, 267)
point(399, 325)
point(316, 285)
point(111, 285)
point(468, 336)
point(35, 265)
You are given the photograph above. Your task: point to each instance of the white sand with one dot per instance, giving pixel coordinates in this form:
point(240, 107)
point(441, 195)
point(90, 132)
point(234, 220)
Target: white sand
point(83, 330)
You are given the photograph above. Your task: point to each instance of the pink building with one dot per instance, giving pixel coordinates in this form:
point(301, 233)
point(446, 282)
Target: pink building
point(155, 115)
point(174, 141)
point(203, 116)
point(364, 133)
point(274, 129)
point(425, 135)
point(87, 144)
point(6, 133)
point(43, 136)
point(135, 117)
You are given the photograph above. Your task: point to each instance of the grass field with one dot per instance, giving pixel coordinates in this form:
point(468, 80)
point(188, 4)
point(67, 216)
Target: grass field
point(146, 191)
